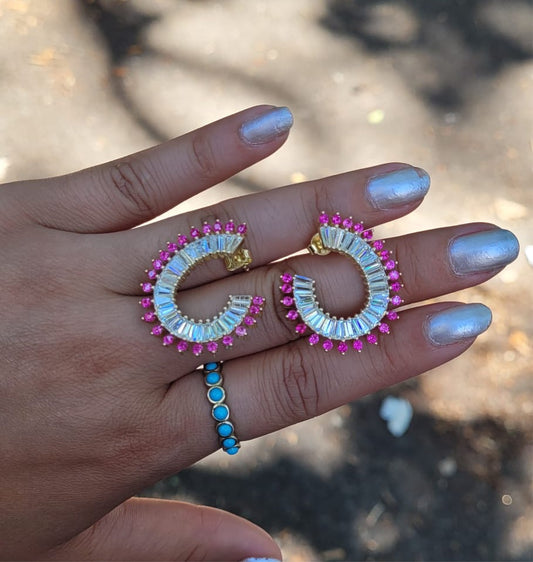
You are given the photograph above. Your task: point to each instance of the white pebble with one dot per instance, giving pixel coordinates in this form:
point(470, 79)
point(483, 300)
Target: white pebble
point(397, 412)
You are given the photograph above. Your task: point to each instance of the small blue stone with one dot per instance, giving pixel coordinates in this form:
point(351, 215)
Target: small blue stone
point(232, 450)
point(220, 412)
point(229, 442)
point(210, 366)
point(216, 394)
point(225, 429)
point(212, 378)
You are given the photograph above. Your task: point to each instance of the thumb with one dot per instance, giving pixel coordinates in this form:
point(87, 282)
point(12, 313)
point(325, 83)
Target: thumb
point(149, 529)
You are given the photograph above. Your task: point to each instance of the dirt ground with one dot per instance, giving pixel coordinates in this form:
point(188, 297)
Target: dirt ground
point(446, 85)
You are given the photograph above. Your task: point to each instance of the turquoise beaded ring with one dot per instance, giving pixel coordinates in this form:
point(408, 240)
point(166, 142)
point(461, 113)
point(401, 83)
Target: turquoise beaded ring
point(219, 410)
point(381, 276)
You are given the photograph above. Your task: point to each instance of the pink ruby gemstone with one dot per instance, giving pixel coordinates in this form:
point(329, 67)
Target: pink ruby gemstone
point(323, 218)
point(230, 226)
point(241, 229)
point(300, 328)
point(342, 347)
point(395, 286)
point(146, 302)
point(168, 339)
point(149, 317)
point(195, 233)
point(359, 227)
point(286, 278)
point(217, 227)
point(212, 346)
point(287, 301)
point(367, 234)
point(240, 331)
point(206, 229)
point(172, 246)
point(384, 255)
point(392, 315)
point(372, 338)
point(390, 264)
point(147, 287)
point(286, 288)
point(249, 321)
point(227, 341)
point(152, 274)
point(182, 239)
point(158, 264)
point(357, 345)
point(327, 345)
point(396, 300)
point(384, 328)
point(394, 275)
point(292, 315)
point(254, 309)
point(257, 300)
point(164, 255)
point(347, 223)
point(182, 346)
point(336, 219)
point(157, 330)
point(314, 339)
point(197, 349)
point(378, 245)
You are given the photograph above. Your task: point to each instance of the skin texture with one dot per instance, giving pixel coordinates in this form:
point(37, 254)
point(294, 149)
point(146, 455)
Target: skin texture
point(92, 409)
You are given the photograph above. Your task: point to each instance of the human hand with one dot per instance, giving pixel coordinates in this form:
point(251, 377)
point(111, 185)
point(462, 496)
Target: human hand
point(93, 410)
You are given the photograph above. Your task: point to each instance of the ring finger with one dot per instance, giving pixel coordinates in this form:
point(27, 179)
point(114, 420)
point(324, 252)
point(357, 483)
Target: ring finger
point(433, 263)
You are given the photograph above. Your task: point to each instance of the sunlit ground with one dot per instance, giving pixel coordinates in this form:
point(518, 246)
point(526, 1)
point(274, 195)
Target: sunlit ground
point(443, 85)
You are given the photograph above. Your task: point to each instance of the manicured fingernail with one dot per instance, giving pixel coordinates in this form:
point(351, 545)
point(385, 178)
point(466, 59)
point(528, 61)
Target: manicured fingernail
point(261, 560)
point(483, 251)
point(397, 188)
point(458, 323)
point(267, 126)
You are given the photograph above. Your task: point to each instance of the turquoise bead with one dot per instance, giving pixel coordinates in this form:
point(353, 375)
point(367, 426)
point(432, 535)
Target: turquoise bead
point(216, 394)
point(225, 429)
point(221, 412)
point(232, 450)
point(229, 442)
point(212, 378)
point(210, 366)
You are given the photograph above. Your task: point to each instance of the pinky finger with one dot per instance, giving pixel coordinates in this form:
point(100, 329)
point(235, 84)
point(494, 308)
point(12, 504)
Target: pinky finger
point(276, 388)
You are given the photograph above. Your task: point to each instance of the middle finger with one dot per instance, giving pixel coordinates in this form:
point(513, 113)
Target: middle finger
point(280, 222)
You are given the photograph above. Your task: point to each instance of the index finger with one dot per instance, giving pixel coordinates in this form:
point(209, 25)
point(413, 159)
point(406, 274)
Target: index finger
point(129, 191)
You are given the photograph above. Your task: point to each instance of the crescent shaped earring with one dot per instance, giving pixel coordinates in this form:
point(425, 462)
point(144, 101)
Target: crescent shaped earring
point(170, 269)
point(382, 280)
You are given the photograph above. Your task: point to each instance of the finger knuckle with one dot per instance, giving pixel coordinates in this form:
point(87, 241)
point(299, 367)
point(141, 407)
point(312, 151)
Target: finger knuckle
point(135, 183)
point(204, 162)
point(299, 392)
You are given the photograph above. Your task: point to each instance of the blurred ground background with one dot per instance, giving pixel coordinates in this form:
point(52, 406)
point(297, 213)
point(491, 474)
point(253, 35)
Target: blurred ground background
point(442, 84)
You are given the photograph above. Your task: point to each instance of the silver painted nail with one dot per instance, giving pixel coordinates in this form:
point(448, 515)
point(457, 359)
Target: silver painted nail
point(261, 560)
point(397, 188)
point(458, 323)
point(267, 126)
point(483, 251)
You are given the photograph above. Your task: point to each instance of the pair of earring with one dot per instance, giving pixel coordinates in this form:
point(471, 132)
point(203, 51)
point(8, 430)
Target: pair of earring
point(335, 234)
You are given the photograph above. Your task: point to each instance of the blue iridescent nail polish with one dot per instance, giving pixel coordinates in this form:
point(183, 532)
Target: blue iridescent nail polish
point(397, 188)
point(483, 251)
point(458, 323)
point(268, 126)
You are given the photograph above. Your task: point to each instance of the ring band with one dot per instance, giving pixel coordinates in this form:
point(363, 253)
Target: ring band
point(220, 410)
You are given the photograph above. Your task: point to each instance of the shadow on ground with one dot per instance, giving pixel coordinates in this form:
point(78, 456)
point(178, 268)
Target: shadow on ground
point(431, 495)
point(442, 47)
